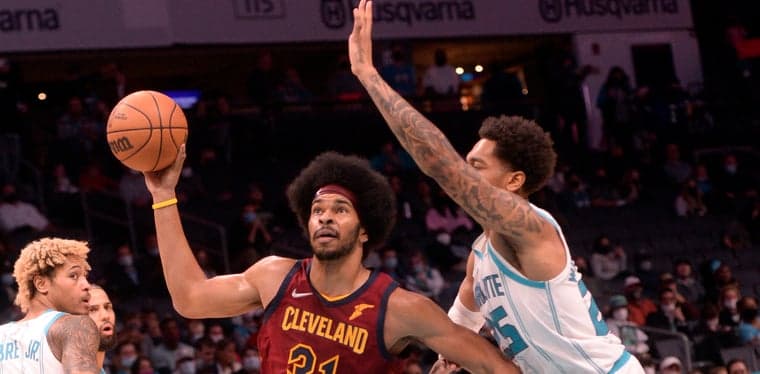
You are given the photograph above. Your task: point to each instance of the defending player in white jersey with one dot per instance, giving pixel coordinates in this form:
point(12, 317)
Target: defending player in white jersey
point(52, 282)
point(519, 276)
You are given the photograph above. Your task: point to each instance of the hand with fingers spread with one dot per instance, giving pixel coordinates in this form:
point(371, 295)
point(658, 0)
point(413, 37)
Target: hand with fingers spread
point(162, 183)
point(360, 41)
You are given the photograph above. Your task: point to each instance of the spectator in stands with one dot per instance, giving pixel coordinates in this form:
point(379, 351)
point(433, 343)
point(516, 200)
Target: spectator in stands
point(689, 202)
point(263, 81)
point(614, 101)
point(604, 192)
point(669, 314)
point(186, 365)
point(737, 366)
point(748, 329)
point(150, 266)
point(251, 361)
point(291, 89)
point(110, 85)
point(721, 277)
point(143, 366)
point(390, 261)
point(124, 280)
point(729, 312)
point(78, 133)
point(392, 159)
point(206, 264)
point(440, 79)
point(125, 357)
point(213, 125)
point(676, 170)
point(608, 261)
point(17, 215)
point(634, 339)
point(93, 179)
point(342, 84)
point(639, 307)
point(165, 355)
point(734, 185)
point(710, 337)
point(132, 189)
point(227, 357)
point(399, 73)
point(690, 311)
point(445, 217)
point(196, 330)
point(671, 365)
point(686, 284)
point(423, 278)
point(703, 181)
point(594, 284)
point(205, 354)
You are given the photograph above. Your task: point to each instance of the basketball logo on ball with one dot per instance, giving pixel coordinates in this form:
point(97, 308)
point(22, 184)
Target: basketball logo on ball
point(145, 130)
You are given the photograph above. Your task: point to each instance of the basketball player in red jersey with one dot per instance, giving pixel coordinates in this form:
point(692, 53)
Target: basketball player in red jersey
point(325, 314)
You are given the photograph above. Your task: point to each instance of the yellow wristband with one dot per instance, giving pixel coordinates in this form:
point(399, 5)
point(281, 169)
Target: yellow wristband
point(165, 203)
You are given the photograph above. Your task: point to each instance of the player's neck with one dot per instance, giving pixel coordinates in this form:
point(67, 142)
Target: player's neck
point(37, 306)
point(100, 357)
point(338, 277)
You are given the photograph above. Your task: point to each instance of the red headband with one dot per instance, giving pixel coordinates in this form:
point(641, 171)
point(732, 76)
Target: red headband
point(337, 189)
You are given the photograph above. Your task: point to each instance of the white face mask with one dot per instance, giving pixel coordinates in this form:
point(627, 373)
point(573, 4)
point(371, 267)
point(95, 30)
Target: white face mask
point(216, 338)
point(730, 303)
point(125, 261)
point(187, 367)
point(252, 363)
point(620, 314)
point(669, 307)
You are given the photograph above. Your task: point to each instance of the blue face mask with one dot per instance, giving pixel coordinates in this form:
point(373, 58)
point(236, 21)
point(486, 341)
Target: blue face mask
point(391, 263)
point(249, 217)
point(128, 361)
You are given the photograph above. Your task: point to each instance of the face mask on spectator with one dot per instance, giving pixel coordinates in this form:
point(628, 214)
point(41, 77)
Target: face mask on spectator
point(7, 279)
point(620, 314)
point(419, 268)
point(730, 168)
point(645, 265)
point(712, 324)
point(252, 363)
point(216, 337)
point(669, 307)
point(730, 303)
point(127, 361)
point(249, 217)
point(391, 263)
point(443, 238)
point(187, 367)
point(125, 260)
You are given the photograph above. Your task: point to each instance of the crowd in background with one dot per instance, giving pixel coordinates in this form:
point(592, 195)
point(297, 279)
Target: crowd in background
point(662, 159)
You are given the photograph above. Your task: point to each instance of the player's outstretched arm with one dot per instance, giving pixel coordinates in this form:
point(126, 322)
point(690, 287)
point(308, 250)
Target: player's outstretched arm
point(494, 208)
point(74, 341)
point(411, 315)
point(194, 295)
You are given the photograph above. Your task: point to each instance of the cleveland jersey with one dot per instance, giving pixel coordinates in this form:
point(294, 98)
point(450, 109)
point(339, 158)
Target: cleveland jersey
point(549, 326)
point(302, 332)
point(24, 347)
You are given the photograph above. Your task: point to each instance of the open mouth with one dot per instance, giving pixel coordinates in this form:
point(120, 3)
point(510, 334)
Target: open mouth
point(107, 329)
point(325, 234)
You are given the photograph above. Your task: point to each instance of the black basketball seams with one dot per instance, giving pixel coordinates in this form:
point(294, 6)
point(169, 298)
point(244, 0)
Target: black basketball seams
point(150, 135)
point(171, 133)
point(161, 132)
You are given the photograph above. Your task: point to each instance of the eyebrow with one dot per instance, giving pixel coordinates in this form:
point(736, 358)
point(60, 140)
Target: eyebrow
point(473, 159)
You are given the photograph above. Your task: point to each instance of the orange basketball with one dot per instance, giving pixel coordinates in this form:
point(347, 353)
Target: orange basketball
point(145, 130)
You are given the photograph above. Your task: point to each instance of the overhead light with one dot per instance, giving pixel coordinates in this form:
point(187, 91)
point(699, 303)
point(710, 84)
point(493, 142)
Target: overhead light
point(41, 96)
point(459, 70)
point(478, 68)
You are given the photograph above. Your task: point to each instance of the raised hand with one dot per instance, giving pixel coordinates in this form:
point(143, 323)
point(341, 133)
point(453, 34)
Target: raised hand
point(360, 40)
point(162, 183)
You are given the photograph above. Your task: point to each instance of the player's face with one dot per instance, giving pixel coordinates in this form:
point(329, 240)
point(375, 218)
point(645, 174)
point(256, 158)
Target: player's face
point(483, 158)
point(68, 288)
point(334, 230)
point(101, 312)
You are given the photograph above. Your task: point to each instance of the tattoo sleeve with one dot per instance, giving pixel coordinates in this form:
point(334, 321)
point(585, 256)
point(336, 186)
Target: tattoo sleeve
point(495, 208)
point(74, 341)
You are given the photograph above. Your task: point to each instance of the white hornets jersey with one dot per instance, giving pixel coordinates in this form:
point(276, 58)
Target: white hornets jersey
point(549, 326)
point(24, 347)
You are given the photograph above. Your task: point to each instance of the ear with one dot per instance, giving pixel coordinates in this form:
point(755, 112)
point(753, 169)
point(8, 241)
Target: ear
point(363, 237)
point(41, 284)
point(514, 181)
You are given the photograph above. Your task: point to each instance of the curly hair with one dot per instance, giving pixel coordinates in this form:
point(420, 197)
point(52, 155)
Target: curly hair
point(376, 203)
point(43, 257)
point(524, 145)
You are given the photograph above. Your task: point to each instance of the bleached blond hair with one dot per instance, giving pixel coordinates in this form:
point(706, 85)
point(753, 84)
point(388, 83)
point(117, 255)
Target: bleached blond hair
point(42, 257)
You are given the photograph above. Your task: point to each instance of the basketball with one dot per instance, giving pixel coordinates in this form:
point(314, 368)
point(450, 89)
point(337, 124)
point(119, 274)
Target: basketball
point(145, 130)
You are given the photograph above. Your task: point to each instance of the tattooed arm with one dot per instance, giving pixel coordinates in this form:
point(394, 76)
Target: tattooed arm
point(494, 208)
point(74, 341)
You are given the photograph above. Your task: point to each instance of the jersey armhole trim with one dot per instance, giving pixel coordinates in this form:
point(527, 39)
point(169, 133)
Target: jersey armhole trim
point(381, 321)
point(52, 320)
point(272, 306)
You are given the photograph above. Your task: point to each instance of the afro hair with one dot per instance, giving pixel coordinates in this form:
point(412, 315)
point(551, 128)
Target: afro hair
point(375, 200)
point(524, 145)
point(43, 257)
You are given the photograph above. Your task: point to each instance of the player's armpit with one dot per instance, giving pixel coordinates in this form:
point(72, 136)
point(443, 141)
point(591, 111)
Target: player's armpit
point(74, 341)
point(413, 315)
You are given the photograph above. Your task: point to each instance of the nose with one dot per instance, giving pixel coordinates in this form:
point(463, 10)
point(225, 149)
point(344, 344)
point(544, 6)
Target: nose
point(85, 283)
point(326, 217)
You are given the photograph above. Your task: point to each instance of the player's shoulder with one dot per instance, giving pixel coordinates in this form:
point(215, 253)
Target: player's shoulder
point(405, 302)
point(71, 326)
point(271, 267)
